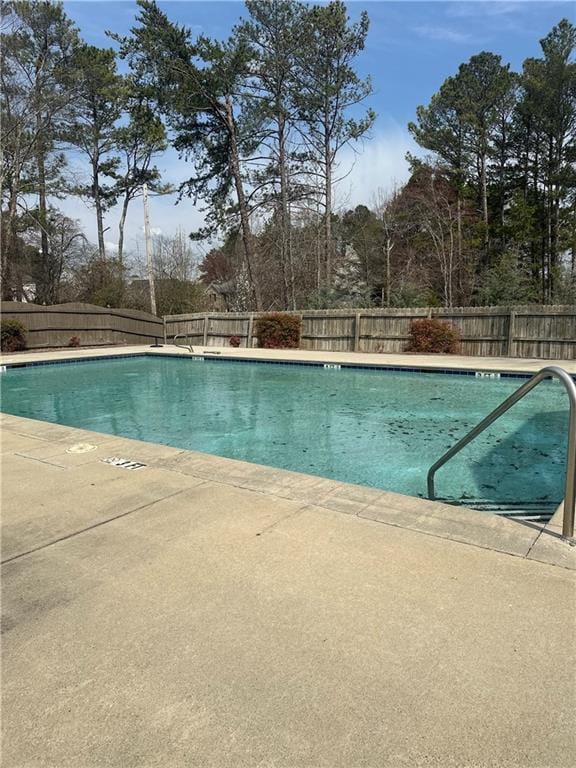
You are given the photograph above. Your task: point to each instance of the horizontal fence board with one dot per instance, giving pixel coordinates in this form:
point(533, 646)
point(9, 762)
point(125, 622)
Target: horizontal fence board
point(522, 331)
point(54, 326)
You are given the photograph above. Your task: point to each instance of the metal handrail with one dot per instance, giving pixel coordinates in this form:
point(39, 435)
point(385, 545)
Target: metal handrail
point(570, 486)
point(189, 347)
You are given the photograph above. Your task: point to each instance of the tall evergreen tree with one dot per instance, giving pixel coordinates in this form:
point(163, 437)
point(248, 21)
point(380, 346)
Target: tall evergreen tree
point(441, 127)
point(329, 93)
point(466, 124)
point(99, 102)
point(509, 140)
point(195, 84)
point(137, 143)
point(481, 84)
point(548, 108)
point(273, 35)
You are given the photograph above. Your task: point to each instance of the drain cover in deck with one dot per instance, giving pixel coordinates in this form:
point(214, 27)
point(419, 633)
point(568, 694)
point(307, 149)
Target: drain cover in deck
point(81, 448)
point(116, 461)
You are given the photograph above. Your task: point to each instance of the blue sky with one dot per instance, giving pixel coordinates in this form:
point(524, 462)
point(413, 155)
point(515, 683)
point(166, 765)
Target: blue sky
point(412, 47)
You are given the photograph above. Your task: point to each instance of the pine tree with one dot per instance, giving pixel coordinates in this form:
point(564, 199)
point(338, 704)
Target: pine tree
point(547, 113)
point(137, 143)
point(328, 88)
point(195, 84)
point(273, 34)
point(100, 95)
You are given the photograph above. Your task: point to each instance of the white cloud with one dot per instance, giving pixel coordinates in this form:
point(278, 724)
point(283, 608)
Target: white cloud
point(379, 165)
point(110, 246)
point(489, 18)
point(445, 34)
point(486, 8)
point(166, 217)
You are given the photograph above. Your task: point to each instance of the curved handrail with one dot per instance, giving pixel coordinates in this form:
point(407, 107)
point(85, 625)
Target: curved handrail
point(183, 346)
point(570, 486)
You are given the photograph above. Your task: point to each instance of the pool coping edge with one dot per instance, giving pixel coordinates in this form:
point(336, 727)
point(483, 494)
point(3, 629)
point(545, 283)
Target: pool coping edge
point(454, 523)
point(440, 367)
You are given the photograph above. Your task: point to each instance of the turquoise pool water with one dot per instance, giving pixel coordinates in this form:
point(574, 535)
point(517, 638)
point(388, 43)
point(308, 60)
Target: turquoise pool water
point(377, 428)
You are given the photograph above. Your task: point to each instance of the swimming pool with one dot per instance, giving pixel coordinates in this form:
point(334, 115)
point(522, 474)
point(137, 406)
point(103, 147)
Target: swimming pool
point(380, 428)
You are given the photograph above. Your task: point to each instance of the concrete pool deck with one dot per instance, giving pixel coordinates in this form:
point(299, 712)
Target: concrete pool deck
point(209, 612)
point(507, 364)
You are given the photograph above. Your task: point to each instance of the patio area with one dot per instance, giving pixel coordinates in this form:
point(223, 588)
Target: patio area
point(204, 611)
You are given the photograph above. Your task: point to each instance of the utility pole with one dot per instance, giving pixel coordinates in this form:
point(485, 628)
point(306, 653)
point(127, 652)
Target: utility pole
point(148, 240)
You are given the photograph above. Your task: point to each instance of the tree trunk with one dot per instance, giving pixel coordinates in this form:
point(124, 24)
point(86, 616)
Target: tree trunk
point(288, 256)
point(291, 263)
point(43, 221)
point(42, 202)
point(284, 224)
point(242, 206)
point(98, 207)
point(10, 252)
point(550, 242)
point(484, 192)
point(318, 254)
point(389, 247)
point(121, 225)
point(328, 208)
point(41, 181)
point(556, 153)
point(539, 254)
point(7, 230)
point(459, 184)
point(459, 224)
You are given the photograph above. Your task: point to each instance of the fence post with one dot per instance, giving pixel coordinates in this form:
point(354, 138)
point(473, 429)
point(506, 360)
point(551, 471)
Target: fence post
point(357, 332)
point(250, 330)
point(511, 320)
point(205, 340)
point(164, 325)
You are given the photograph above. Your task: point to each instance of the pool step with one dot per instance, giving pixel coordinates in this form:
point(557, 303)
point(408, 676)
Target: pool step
point(530, 511)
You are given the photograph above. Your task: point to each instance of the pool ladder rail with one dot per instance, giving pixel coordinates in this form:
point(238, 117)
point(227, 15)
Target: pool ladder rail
point(551, 371)
point(189, 347)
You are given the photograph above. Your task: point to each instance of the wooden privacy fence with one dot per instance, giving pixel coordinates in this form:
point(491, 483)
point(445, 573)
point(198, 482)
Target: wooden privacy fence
point(527, 332)
point(55, 325)
point(530, 331)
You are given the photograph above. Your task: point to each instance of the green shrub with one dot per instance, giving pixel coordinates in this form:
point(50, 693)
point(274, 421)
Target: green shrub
point(278, 331)
point(433, 336)
point(12, 335)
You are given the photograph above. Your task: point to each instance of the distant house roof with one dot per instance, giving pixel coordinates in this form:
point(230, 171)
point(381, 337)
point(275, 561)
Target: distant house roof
point(226, 288)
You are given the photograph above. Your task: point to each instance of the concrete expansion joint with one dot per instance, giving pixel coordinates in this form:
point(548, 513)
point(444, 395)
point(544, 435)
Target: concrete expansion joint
point(40, 461)
point(454, 540)
point(91, 527)
point(532, 545)
point(283, 519)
